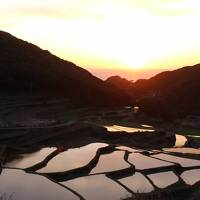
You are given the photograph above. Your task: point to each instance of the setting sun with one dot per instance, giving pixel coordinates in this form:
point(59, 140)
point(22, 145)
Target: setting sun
point(112, 34)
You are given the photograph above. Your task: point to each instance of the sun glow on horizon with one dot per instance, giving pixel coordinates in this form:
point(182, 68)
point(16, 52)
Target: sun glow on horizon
point(132, 34)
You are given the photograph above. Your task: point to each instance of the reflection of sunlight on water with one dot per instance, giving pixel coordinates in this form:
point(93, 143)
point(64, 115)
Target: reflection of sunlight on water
point(97, 187)
point(137, 183)
point(184, 162)
point(191, 177)
point(195, 136)
point(72, 158)
point(183, 150)
point(28, 160)
point(180, 140)
point(146, 126)
point(116, 128)
point(110, 162)
point(25, 186)
point(125, 148)
point(163, 179)
point(145, 162)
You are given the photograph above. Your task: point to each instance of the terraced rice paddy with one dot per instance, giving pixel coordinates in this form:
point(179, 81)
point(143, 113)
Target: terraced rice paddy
point(95, 171)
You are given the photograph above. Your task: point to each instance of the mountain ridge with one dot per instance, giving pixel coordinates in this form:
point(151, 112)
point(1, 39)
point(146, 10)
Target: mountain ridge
point(26, 68)
point(169, 94)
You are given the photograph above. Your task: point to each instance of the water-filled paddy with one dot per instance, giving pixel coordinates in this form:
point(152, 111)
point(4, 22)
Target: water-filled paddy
point(97, 187)
point(27, 160)
point(62, 183)
point(18, 185)
point(72, 158)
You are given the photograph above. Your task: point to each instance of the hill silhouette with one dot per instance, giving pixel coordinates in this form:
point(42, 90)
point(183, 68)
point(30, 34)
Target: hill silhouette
point(168, 94)
point(27, 69)
point(119, 82)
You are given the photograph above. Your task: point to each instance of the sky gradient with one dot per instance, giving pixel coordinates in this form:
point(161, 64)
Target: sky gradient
point(141, 37)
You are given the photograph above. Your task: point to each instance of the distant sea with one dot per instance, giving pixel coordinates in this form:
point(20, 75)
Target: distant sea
point(125, 73)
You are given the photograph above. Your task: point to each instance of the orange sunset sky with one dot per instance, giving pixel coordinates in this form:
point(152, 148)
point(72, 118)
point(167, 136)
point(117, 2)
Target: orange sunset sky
point(132, 38)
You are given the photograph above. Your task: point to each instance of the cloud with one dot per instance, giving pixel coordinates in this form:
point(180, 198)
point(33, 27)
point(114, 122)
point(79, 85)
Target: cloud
point(62, 13)
point(114, 33)
point(49, 9)
point(96, 9)
point(167, 7)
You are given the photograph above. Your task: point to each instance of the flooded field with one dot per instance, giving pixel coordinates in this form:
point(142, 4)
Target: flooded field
point(96, 171)
point(95, 161)
point(117, 128)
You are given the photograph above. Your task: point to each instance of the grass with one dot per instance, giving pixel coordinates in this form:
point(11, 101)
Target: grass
point(186, 155)
point(75, 114)
point(156, 195)
point(187, 131)
point(4, 196)
point(168, 195)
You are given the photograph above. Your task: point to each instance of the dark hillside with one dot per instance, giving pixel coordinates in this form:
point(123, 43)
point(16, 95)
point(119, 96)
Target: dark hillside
point(175, 92)
point(27, 69)
point(169, 94)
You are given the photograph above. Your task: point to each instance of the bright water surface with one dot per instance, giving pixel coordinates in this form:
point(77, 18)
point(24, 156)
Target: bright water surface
point(29, 186)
